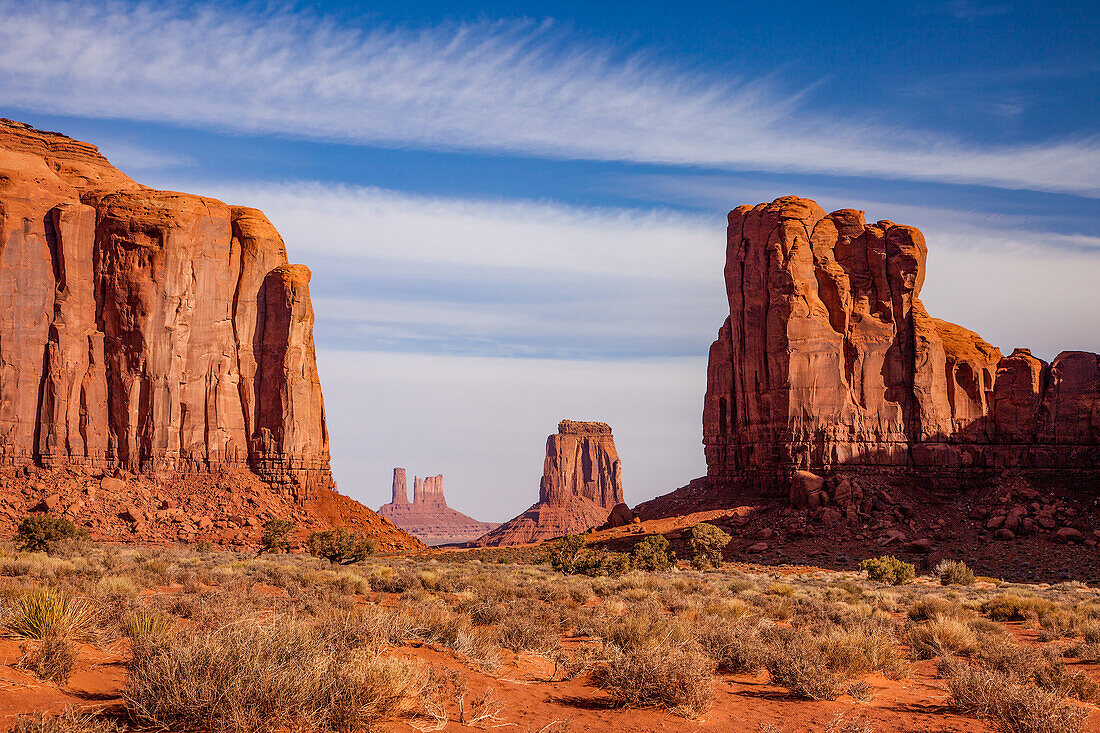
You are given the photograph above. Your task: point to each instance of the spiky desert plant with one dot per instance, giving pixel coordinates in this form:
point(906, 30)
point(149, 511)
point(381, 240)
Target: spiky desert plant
point(49, 612)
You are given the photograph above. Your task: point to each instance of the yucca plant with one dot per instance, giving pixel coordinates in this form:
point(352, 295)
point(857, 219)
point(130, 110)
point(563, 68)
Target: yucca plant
point(147, 625)
point(48, 612)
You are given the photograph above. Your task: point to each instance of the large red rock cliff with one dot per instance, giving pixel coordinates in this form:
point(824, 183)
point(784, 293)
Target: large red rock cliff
point(427, 516)
point(828, 362)
point(147, 331)
point(581, 483)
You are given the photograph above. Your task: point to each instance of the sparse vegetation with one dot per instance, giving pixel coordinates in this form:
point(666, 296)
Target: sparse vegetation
point(41, 532)
point(888, 569)
point(707, 544)
point(303, 643)
point(276, 535)
point(48, 612)
point(652, 553)
point(340, 546)
point(954, 572)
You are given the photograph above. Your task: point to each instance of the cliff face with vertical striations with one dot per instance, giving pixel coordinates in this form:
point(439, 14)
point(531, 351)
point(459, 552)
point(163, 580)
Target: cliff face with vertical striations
point(149, 331)
point(829, 362)
point(428, 517)
point(581, 483)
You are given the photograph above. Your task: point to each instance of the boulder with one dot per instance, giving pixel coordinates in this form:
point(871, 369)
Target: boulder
point(1069, 534)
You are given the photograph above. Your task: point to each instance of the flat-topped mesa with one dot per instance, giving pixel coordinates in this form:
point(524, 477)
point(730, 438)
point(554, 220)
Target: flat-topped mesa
point(828, 361)
point(428, 517)
point(581, 484)
point(149, 330)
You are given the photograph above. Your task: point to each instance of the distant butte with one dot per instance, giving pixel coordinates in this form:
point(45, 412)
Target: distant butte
point(428, 517)
point(581, 485)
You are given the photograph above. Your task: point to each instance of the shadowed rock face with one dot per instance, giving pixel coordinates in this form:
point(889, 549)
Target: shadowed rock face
point(829, 361)
point(581, 484)
point(428, 517)
point(149, 330)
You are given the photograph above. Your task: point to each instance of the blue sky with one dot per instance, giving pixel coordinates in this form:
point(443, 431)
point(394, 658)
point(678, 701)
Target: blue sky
point(514, 211)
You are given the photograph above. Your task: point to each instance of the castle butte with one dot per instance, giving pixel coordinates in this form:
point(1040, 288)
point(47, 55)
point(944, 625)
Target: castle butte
point(830, 385)
point(581, 488)
point(158, 380)
point(428, 517)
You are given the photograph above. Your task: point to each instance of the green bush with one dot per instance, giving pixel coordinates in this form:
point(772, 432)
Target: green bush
point(564, 554)
point(707, 543)
point(652, 553)
point(599, 562)
point(888, 569)
point(340, 546)
point(954, 572)
point(276, 536)
point(39, 532)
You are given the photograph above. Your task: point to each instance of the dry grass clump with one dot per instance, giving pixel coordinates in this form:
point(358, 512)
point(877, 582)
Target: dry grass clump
point(51, 659)
point(147, 624)
point(1010, 707)
point(263, 676)
point(1013, 607)
point(734, 646)
point(941, 636)
point(858, 649)
point(678, 679)
point(930, 607)
point(954, 572)
point(1039, 666)
point(797, 663)
point(46, 612)
point(70, 721)
point(522, 633)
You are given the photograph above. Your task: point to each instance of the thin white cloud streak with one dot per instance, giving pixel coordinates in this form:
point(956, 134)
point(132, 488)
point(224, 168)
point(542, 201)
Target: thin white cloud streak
point(483, 422)
point(517, 87)
point(659, 273)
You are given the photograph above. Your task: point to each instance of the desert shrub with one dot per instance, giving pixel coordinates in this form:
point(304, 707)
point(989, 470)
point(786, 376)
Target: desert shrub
point(521, 633)
point(276, 535)
point(147, 624)
point(1008, 706)
point(888, 569)
point(678, 679)
point(600, 562)
point(954, 572)
point(70, 721)
point(52, 659)
point(1013, 607)
point(644, 629)
point(339, 546)
point(860, 648)
point(40, 532)
point(941, 635)
point(264, 677)
point(652, 553)
point(735, 646)
point(796, 663)
point(115, 587)
point(930, 607)
point(1031, 665)
point(45, 612)
point(707, 543)
point(564, 553)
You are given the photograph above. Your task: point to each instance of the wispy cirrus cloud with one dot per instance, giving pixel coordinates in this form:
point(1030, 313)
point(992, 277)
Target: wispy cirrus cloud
point(410, 273)
point(518, 87)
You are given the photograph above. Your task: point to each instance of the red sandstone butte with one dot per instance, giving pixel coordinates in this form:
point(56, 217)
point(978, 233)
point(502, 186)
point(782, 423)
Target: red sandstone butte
point(153, 333)
point(829, 363)
point(428, 517)
point(581, 485)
